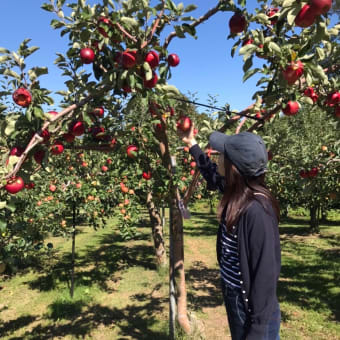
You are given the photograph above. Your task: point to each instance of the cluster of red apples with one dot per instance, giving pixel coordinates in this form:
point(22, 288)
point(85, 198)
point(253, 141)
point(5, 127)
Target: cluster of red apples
point(130, 58)
point(309, 173)
point(305, 18)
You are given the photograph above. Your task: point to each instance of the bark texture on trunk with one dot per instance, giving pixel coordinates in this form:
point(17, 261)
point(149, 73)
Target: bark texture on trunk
point(179, 273)
point(157, 230)
point(177, 236)
point(314, 219)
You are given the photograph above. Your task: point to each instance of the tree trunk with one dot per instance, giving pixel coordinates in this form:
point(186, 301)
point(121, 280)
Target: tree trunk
point(73, 248)
point(157, 231)
point(314, 219)
point(178, 265)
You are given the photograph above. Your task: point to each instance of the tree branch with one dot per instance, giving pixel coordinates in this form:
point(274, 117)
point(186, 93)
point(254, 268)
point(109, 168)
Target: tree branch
point(197, 22)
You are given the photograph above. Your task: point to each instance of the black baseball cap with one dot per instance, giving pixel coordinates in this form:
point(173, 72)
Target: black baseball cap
point(245, 150)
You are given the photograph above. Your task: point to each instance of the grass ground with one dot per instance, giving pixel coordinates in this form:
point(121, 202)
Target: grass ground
point(120, 294)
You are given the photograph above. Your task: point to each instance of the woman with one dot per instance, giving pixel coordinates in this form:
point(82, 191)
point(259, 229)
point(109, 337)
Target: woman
point(248, 242)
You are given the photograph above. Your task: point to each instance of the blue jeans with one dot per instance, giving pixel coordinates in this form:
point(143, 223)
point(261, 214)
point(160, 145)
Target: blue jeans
point(239, 320)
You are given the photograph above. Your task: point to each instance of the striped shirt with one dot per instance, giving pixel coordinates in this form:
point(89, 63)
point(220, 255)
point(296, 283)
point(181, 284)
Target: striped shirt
point(229, 258)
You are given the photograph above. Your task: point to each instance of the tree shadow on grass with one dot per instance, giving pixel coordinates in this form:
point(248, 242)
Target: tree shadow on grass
point(97, 263)
point(80, 320)
point(11, 326)
point(310, 279)
point(206, 287)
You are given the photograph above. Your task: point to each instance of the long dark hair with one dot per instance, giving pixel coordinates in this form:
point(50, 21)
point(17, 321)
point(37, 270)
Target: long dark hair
point(240, 191)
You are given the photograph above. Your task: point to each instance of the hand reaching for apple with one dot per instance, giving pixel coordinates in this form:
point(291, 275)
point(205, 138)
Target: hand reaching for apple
point(188, 136)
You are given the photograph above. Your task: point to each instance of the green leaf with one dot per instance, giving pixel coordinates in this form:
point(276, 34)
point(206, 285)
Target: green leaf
point(3, 204)
point(130, 22)
point(171, 5)
point(56, 23)
point(11, 207)
point(179, 31)
point(248, 64)
point(306, 100)
point(4, 58)
point(189, 29)
point(38, 112)
point(47, 7)
point(250, 73)
point(274, 47)
point(11, 73)
point(4, 50)
point(292, 15)
point(190, 8)
point(320, 53)
point(85, 35)
point(148, 71)
point(3, 225)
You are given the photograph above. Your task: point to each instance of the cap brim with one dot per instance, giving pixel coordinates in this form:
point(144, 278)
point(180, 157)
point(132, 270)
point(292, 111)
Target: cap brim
point(217, 141)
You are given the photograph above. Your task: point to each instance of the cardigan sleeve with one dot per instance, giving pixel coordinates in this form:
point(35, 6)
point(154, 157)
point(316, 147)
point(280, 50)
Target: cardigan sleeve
point(208, 169)
point(264, 268)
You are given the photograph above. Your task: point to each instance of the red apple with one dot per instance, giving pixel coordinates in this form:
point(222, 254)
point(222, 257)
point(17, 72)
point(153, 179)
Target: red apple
point(104, 168)
point(87, 55)
point(128, 59)
point(77, 128)
point(305, 17)
point(131, 151)
point(320, 6)
point(159, 127)
point(192, 164)
point(247, 42)
point(270, 155)
point(192, 172)
point(152, 82)
point(84, 164)
point(271, 12)
point(184, 123)
point(171, 110)
point(173, 59)
point(14, 185)
point(98, 111)
point(153, 108)
point(333, 99)
point(102, 21)
point(291, 108)
point(53, 188)
point(97, 132)
point(237, 23)
point(152, 58)
point(39, 156)
point(22, 97)
point(126, 89)
point(337, 112)
point(293, 72)
point(30, 185)
point(313, 172)
point(57, 148)
point(309, 92)
point(68, 137)
point(16, 151)
point(303, 174)
point(147, 175)
point(109, 161)
point(45, 134)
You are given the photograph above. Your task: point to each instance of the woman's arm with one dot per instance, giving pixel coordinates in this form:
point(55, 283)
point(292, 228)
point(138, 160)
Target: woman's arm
point(207, 168)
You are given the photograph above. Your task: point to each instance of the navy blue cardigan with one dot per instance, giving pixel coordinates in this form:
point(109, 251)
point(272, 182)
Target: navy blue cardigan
point(258, 248)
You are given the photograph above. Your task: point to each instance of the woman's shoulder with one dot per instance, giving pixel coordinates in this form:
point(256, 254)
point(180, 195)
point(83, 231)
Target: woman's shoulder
point(260, 207)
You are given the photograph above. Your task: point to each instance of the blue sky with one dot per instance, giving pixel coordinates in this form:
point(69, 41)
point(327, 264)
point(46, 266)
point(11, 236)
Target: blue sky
point(206, 66)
